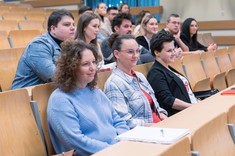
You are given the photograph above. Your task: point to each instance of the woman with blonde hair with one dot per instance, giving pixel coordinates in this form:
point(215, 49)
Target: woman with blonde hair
point(150, 26)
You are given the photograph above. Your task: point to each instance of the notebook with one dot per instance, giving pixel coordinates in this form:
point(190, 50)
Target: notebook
point(154, 134)
point(228, 92)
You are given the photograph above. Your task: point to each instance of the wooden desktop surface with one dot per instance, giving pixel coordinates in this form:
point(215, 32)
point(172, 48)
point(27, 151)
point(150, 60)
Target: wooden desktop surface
point(191, 118)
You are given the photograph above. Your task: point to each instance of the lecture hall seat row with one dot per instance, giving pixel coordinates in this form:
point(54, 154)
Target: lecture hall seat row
point(26, 131)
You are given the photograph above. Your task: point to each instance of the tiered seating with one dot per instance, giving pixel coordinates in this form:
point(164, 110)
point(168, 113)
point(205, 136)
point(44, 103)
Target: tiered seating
point(9, 59)
point(36, 16)
point(19, 132)
point(102, 77)
point(212, 70)
point(16, 40)
point(231, 52)
point(31, 25)
point(195, 73)
point(214, 138)
point(225, 65)
point(4, 44)
point(13, 16)
point(41, 94)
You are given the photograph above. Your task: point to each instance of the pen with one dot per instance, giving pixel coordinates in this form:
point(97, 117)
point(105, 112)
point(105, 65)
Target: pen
point(162, 132)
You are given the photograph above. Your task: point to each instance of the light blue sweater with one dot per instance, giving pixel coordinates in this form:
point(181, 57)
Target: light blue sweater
point(84, 120)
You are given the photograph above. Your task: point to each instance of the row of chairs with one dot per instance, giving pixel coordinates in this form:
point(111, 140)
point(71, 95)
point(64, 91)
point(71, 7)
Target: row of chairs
point(26, 120)
point(18, 38)
point(206, 71)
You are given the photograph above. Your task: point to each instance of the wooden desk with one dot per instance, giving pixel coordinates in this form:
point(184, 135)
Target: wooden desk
point(191, 118)
point(131, 148)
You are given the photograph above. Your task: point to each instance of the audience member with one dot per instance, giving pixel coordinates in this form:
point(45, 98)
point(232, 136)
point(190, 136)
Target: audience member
point(138, 31)
point(129, 91)
point(173, 27)
point(150, 26)
point(84, 9)
point(121, 24)
point(105, 29)
point(101, 11)
point(171, 88)
point(189, 36)
point(79, 115)
point(124, 8)
point(37, 63)
point(87, 30)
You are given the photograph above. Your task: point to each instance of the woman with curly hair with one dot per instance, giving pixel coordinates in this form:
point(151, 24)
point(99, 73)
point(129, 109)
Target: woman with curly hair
point(80, 116)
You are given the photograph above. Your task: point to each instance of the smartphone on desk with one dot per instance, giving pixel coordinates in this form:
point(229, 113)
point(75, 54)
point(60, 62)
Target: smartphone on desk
point(233, 88)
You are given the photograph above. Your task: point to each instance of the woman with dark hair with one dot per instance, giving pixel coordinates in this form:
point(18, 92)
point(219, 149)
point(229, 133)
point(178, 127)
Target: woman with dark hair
point(149, 25)
point(189, 36)
point(129, 91)
point(171, 88)
point(79, 115)
point(87, 30)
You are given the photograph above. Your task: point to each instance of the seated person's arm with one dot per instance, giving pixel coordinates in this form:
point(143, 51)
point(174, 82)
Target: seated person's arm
point(119, 102)
point(180, 42)
point(163, 92)
point(40, 60)
point(64, 123)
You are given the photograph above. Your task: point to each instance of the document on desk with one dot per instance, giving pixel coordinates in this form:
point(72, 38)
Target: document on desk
point(154, 134)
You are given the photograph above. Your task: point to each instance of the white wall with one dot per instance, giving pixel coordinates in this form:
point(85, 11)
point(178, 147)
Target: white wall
point(201, 10)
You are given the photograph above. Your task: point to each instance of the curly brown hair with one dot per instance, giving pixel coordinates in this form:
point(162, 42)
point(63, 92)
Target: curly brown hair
point(68, 62)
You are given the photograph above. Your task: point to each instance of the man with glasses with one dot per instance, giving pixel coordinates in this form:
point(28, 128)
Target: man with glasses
point(105, 29)
point(173, 27)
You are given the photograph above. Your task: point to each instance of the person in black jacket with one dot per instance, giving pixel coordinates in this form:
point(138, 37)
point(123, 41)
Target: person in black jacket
point(189, 36)
point(171, 88)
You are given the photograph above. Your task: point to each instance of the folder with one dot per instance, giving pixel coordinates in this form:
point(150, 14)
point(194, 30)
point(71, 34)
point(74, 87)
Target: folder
point(228, 92)
point(154, 134)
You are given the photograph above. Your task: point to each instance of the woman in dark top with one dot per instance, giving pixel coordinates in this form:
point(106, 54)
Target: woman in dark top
point(150, 26)
point(189, 36)
point(171, 88)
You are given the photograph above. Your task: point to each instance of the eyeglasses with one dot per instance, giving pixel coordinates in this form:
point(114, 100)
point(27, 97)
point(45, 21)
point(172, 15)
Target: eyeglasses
point(174, 22)
point(131, 51)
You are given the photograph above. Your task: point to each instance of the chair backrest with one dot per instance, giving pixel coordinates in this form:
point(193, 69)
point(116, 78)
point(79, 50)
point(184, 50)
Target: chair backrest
point(3, 34)
point(9, 59)
point(177, 65)
point(102, 77)
point(231, 115)
point(36, 16)
point(19, 132)
point(194, 70)
point(21, 10)
point(213, 138)
point(143, 68)
point(14, 16)
point(223, 59)
point(41, 94)
point(180, 148)
point(28, 35)
point(231, 51)
point(8, 25)
point(4, 43)
point(31, 25)
point(209, 61)
point(208, 39)
point(161, 26)
point(200, 39)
